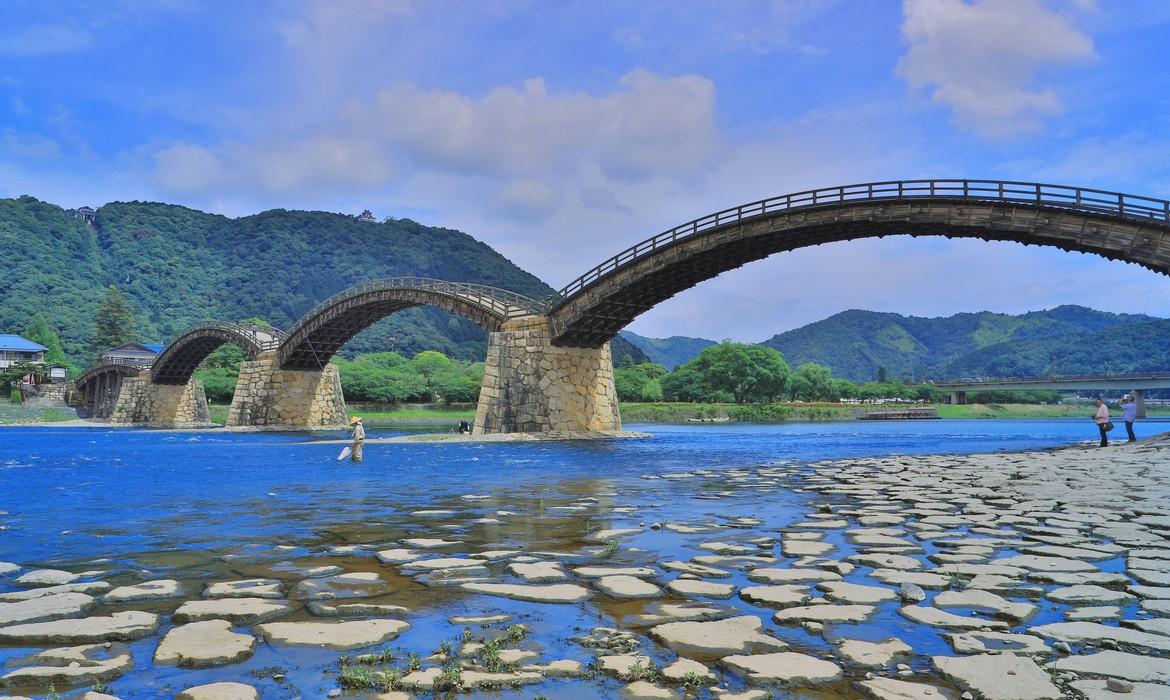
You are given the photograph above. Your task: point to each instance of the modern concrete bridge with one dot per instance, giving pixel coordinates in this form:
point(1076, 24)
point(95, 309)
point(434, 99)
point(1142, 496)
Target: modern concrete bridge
point(1136, 384)
point(548, 365)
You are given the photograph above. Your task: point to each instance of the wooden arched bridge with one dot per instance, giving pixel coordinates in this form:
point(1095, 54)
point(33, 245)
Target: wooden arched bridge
point(548, 365)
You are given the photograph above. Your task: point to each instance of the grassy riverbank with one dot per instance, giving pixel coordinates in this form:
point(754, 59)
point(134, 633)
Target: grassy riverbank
point(682, 412)
point(14, 414)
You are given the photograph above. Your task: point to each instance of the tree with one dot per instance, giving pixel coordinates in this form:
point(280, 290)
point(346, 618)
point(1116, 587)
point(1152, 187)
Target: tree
point(39, 331)
point(881, 375)
point(639, 382)
point(114, 321)
point(744, 372)
point(812, 382)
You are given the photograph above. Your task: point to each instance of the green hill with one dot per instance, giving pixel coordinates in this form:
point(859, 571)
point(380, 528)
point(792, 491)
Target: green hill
point(668, 352)
point(855, 344)
point(1126, 349)
point(178, 266)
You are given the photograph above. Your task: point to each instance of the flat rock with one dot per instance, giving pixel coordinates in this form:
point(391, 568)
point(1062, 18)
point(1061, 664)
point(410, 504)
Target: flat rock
point(733, 635)
point(204, 644)
point(245, 588)
point(699, 570)
point(478, 619)
point(924, 579)
point(1093, 613)
point(90, 587)
point(356, 610)
point(985, 600)
point(7, 568)
point(436, 564)
point(1032, 562)
point(600, 571)
point(677, 672)
point(772, 575)
point(54, 607)
point(857, 594)
point(824, 614)
point(68, 666)
point(1117, 664)
point(361, 584)
point(1095, 689)
point(998, 676)
point(783, 668)
point(306, 571)
point(46, 577)
point(397, 556)
point(150, 590)
point(997, 643)
point(562, 668)
point(538, 572)
point(603, 535)
point(333, 635)
point(645, 690)
point(620, 665)
point(1078, 632)
point(873, 654)
point(238, 611)
point(893, 689)
point(626, 587)
point(219, 691)
point(119, 627)
point(1088, 595)
point(939, 618)
point(799, 548)
point(776, 596)
point(551, 593)
point(691, 588)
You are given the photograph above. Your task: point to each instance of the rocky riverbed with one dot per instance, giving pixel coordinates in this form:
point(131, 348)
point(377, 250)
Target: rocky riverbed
point(1005, 576)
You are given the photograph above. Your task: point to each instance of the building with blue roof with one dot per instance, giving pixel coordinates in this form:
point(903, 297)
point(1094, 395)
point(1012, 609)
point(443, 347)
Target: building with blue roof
point(15, 348)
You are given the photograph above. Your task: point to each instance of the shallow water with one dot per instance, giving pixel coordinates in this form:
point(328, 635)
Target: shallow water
point(218, 506)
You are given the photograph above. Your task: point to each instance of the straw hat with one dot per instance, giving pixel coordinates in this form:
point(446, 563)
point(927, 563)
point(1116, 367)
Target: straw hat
point(354, 419)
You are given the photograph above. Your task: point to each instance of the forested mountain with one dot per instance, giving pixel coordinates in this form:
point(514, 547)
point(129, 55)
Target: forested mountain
point(1123, 349)
point(855, 344)
point(668, 352)
point(177, 266)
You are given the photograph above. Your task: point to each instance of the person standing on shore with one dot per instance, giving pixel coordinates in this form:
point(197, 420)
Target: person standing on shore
point(359, 438)
point(1129, 415)
point(1102, 420)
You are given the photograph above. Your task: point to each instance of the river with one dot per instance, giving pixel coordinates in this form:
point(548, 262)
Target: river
point(127, 505)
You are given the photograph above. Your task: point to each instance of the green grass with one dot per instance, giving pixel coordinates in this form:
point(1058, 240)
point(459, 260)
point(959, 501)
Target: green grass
point(218, 413)
point(11, 414)
point(996, 410)
point(778, 413)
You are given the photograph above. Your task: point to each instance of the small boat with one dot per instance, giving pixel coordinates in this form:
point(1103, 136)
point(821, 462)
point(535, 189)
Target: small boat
point(721, 419)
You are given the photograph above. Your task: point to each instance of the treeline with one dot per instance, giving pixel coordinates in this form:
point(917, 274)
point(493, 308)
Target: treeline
point(738, 373)
point(381, 377)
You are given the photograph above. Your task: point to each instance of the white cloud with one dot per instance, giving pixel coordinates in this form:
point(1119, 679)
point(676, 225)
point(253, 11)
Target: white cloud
point(285, 165)
point(650, 123)
point(43, 40)
point(981, 59)
point(527, 142)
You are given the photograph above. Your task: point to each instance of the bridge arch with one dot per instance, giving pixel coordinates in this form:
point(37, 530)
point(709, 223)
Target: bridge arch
point(98, 387)
point(183, 355)
point(599, 303)
point(321, 333)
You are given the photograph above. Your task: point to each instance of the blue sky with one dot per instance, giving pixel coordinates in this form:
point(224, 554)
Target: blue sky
point(561, 132)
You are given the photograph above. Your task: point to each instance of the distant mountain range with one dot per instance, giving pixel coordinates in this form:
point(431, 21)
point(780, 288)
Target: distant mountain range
point(668, 352)
point(856, 344)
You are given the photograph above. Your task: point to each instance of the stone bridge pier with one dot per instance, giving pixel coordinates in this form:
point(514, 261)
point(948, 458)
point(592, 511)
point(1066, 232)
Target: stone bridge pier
point(142, 402)
point(531, 385)
point(268, 396)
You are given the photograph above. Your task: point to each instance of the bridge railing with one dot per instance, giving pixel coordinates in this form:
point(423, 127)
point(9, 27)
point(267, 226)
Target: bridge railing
point(264, 337)
point(510, 304)
point(1128, 206)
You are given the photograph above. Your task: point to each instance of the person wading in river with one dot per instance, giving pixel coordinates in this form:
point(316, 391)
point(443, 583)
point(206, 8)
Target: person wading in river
point(1129, 414)
point(1102, 421)
point(359, 438)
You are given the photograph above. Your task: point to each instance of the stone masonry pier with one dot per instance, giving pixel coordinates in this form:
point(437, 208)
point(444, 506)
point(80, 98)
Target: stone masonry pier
point(533, 386)
point(268, 396)
point(142, 402)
